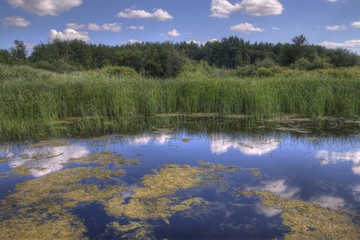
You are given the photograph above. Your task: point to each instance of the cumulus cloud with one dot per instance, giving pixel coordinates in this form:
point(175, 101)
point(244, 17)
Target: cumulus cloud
point(275, 28)
point(262, 7)
point(16, 21)
point(45, 7)
point(134, 41)
point(137, 28)
point(335, 27)
point(173, 33)
point(223, 8)
point(346, 44)
point(246, 28)
point(158, 14)
point(75, 26)
point(355, 24)
point(68, 35)
point(112, 27)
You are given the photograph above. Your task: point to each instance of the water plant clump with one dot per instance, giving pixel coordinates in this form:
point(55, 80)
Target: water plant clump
point(49, 143)
point(4, 159)
point(40, 208)
point(310, 221)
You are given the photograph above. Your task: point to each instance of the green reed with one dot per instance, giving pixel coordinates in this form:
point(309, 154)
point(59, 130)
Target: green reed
point(39, 103)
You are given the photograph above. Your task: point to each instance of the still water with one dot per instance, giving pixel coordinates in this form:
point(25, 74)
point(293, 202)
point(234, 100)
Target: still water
point(169, 184)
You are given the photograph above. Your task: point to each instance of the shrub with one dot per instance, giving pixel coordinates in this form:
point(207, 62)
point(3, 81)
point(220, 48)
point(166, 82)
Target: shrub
point(119, 71)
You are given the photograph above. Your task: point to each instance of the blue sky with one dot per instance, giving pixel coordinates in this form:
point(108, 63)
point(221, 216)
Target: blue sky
point(332, 23)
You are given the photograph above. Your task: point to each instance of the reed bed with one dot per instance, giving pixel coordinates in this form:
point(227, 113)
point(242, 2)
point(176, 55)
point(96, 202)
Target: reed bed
point(35, 102)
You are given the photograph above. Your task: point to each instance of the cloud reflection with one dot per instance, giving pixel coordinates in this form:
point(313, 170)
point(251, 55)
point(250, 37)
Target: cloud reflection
point(221, 144)
point(45, 160)
point(329, 202)
point(278, 187)
point(159, 139)
point(327, 157)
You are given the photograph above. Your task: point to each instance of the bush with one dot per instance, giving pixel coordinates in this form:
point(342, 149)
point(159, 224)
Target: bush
point(119, 71)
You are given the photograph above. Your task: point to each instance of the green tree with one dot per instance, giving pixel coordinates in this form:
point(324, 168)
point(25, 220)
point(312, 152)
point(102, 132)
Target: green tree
point(18, 52)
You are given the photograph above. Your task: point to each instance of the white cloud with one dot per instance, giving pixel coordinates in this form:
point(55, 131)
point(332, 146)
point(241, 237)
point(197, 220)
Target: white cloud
point(159, 139)
point(137, 28)
point(355, 24)
point(335, 27)
point(134, 41)
point(223, 8)
point(332, 1)
point(16, 21)
point(68, 35)
point(158, 14)
point(327, 157)
point(173, 33)
point(275, 28)
point(346, 44)
point(262, 7)
point(45, 7)
point(246, 28)
point(112, 27)
point(75, 26)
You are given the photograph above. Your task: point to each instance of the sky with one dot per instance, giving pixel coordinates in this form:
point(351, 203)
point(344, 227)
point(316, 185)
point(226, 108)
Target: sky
point(331, 23)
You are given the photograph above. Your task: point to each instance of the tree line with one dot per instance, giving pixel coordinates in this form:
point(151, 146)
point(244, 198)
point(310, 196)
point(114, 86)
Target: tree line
point(166, 59)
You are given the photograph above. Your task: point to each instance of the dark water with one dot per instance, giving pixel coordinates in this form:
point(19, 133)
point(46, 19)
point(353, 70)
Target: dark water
point(324, 170)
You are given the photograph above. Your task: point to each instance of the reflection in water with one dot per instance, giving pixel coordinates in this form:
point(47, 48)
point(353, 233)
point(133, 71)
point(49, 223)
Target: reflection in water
point(356, 192)
point(222, 143)
point(159, 139)
point(329, 202)
point(280, 188)
point(327, 157)
point(45, 160)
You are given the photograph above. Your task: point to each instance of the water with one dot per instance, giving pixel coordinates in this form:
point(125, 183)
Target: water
point(205, 200)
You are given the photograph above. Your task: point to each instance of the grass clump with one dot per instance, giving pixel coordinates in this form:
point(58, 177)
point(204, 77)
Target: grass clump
point(308, 220)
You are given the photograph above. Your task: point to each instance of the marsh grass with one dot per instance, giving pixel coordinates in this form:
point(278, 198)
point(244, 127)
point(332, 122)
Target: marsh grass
point(42, 104)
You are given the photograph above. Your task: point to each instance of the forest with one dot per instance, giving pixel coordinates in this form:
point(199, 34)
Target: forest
point(167, 59)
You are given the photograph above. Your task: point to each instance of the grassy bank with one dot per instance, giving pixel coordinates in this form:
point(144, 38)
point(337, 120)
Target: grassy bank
point(34, 102)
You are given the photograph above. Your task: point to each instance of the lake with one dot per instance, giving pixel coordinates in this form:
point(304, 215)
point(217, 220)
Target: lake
point(183, 184)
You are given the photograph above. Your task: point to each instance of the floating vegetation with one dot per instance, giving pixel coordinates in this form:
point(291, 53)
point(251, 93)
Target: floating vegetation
point(132, 230)
point(49, 143)
point(23, 171)
point(4, 159)
point(254, 171)
point(308, 220)
point(105, 158)
point(186, 140)
point(39, 209)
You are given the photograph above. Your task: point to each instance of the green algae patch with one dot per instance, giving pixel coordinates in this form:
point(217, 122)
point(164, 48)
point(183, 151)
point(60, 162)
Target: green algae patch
point(157, 200)
point(310, 221)
point(49, 143)
point(40, 208)
point(23, 171)
point(132, 230)
point(105, 158)
point(4, 160)
point(42, 227)
point(255, 172)
point(170, 179)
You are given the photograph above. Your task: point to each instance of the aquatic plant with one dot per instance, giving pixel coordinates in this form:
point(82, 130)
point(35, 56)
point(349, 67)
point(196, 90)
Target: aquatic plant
point(310, 221)
point(36, 104)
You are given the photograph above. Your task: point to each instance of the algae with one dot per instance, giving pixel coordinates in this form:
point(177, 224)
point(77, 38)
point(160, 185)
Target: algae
point(49, 143)
point(4, 160)
point(308, 220)
point(23, 171)
point(40, 208)
point(105, 158)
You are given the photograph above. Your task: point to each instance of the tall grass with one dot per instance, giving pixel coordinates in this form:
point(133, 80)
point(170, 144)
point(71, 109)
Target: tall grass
point(38, 103)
